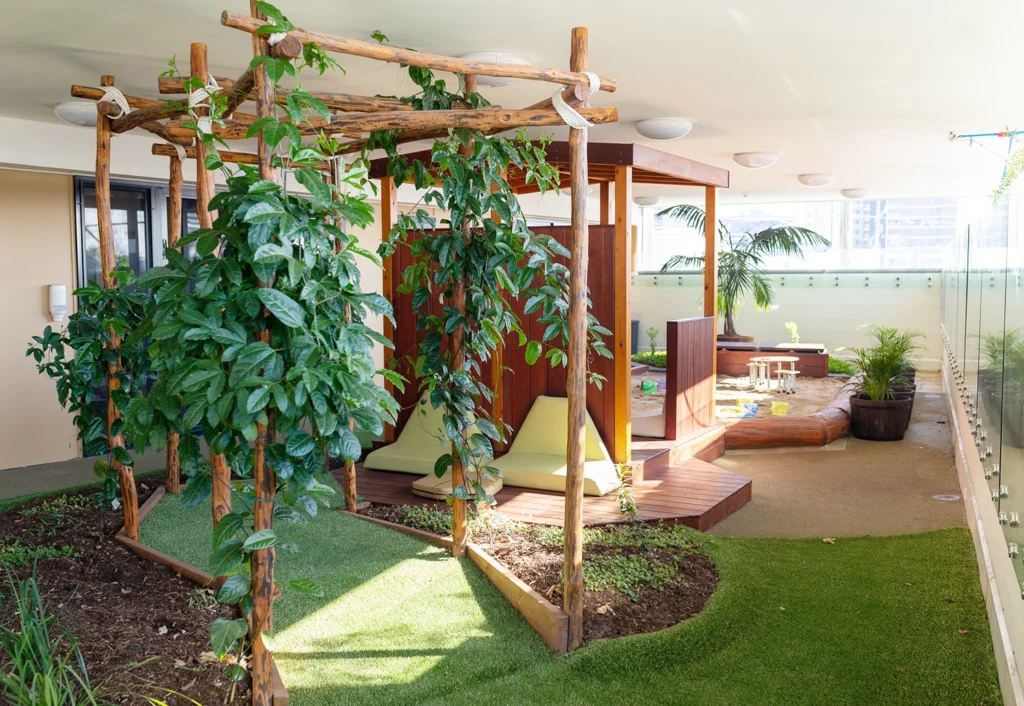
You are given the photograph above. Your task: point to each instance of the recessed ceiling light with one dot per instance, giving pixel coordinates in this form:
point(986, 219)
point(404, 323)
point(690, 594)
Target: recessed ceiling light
point(815, 180)
point(854, 193)
point(664, 128)
point(646, 200)
point(81, 113)
point(755, 160)
point(495, 57)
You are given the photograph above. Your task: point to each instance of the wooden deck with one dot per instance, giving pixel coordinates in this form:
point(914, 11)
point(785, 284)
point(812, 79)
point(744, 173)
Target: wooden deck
point(690, 491)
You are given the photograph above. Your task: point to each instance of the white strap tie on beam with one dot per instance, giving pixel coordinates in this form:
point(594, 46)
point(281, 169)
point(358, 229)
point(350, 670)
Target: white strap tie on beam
point(113, 95)
point(569, 114)
point(182, 157)
point(200, 98)
point(276, 38)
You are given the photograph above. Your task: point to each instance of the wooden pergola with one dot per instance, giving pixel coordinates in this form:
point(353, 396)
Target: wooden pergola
point(614, 168)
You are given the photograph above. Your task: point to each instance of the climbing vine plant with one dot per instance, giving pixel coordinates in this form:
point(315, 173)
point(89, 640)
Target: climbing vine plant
point(76, 359)
point(475, 265)
point(266, 326)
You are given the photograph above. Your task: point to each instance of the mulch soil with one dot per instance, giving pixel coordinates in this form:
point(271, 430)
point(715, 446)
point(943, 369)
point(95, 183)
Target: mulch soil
point(142, 629)
point(607, 613)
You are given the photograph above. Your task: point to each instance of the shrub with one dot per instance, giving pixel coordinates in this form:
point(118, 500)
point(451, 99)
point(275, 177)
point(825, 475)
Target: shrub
point(840, 366)
point(657, 359)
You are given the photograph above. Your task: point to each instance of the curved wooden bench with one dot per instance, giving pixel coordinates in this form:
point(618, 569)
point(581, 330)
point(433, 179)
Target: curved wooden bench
point(818, 429)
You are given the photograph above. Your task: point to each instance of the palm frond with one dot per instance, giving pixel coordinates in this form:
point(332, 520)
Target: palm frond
point(782, 240)
point(683, 261)
point(692, 217)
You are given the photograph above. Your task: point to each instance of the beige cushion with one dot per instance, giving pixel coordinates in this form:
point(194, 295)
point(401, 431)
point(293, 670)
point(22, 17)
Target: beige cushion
point(418, 446)
point(537, 458)
point(650, 424)
point(440, 488)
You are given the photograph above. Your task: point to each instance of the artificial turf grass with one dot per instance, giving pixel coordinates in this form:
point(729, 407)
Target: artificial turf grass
point(865, 621)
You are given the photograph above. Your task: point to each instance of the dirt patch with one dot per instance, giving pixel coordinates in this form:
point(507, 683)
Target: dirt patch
point(637, 578)
point(140, 626)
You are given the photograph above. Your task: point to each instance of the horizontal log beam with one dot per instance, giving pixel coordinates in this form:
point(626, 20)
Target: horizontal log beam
point(482, 119)
point(343, 102)
point(437, 62)
point(225, 156)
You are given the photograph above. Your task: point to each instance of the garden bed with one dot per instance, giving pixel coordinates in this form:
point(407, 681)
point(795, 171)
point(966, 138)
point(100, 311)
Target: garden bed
point(637, 578)
point(142, 629)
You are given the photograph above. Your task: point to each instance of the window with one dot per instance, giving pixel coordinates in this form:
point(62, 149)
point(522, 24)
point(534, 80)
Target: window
point(132, 227)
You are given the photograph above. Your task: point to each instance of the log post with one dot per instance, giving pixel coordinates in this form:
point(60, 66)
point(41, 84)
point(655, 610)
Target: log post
point(460, 529)
point(576, 376)
point(711, 269)
point(205, 191)
point(349, 484)
point(388, 215)
point(174, 184)
point(263, 477)
point(622, 329)
point(108, 261)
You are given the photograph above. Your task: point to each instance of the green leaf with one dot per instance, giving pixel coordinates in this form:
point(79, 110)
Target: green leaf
point(258, 399)
point(299, 443)
point(235, 586)
point(306, 587)
point(224, 634)
point(442, 464)
point(260, 540)
point(288, 311)
point(226, 528)
point(314, 183)
point(533, 351)
point(122, 456)
point(262, 212)
point(226, 557)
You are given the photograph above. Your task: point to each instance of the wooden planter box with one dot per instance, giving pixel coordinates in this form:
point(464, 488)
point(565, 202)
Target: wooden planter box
point(734, 363)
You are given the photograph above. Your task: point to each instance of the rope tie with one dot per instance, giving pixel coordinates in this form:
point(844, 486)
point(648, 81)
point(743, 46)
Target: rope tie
point(276, 38)
point(114, 95)
point(200, 98)
point(569, 115)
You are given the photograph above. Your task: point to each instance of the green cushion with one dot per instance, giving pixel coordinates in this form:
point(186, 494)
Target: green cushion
point(547, 472)
point(537, 458)
point(418, 446)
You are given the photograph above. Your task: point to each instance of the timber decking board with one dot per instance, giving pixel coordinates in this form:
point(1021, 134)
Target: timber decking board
point(690, 492)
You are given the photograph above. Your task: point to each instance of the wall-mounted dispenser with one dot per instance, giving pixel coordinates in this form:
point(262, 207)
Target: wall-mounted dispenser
point(58, 301)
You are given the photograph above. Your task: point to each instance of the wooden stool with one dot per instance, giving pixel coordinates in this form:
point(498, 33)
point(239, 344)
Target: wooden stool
point(787, 381)
point(753, 376)
point(763, 375)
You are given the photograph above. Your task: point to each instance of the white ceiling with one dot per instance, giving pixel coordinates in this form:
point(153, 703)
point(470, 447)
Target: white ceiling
point(864, 90)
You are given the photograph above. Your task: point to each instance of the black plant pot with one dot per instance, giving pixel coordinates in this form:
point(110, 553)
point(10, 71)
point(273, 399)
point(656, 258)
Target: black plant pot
point(908, 389)
point(880, 420)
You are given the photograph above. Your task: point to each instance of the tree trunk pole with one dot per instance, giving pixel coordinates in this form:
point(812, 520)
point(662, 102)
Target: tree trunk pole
point(108, 261)
point(576, 383)
point(263, 511)
point(460, 528)
point(174, 184)
point(349, 485)
point(711, 273)
point(205, 191)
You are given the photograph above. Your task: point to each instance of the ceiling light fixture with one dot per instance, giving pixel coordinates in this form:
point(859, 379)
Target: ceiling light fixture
point(495, 57)
point(646, 200)
point(815, 180)
point(663, 129)
point(755, 160)
point(854, 193)
point(82, 113)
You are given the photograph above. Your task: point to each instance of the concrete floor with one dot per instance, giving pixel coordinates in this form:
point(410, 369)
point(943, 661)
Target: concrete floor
point(854, 487)
point(26, 480)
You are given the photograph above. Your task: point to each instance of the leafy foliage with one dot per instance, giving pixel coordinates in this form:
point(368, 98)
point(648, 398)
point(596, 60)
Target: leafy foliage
point(475, 265)
point(885, 365)
point(40, 665)
point(741, 259)
point(77, 358)
point(657, 359)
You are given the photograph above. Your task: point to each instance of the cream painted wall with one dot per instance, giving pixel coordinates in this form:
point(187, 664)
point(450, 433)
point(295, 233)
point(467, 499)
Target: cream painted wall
point(824, 313)
point(37, 236)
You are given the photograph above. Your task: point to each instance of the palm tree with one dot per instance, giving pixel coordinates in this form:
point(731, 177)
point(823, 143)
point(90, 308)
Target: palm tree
point(741, 259)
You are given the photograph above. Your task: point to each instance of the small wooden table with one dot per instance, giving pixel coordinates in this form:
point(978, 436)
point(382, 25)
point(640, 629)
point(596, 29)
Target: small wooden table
point(767, 360)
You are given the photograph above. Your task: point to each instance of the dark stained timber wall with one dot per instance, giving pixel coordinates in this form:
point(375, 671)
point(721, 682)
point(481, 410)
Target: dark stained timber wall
point(690, 376)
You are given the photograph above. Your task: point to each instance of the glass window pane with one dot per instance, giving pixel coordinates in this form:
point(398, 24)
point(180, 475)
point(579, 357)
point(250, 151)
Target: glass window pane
point(129, 216)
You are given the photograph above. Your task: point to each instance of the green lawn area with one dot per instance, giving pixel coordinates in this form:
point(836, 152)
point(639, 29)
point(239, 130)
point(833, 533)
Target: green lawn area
point(892, 620)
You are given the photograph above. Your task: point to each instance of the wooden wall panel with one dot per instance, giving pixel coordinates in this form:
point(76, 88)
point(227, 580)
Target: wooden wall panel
point(523, 383)
point(690, 378)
